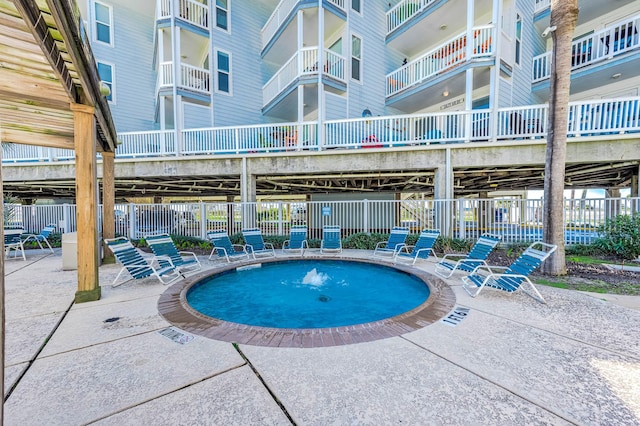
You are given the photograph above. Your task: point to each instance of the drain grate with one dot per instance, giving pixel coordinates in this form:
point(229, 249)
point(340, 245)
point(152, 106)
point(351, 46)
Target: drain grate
point(324, 298)
point(112, 319)
point(176, 335)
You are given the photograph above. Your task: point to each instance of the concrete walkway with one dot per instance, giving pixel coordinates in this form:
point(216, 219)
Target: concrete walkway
point(510, 360)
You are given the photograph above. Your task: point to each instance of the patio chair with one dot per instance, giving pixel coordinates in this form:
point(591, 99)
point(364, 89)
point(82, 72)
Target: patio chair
point(511, 278)
point(13, 242)
point(395, 242)
point(469, 261)
point(41, 237)
point(255, 243)
point(163, 246)
point(297, 240)
point(331, 239)
point(137, 266)
point(421, 250)
point(223, 246)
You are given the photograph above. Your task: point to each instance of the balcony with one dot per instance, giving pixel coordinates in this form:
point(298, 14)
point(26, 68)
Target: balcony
point(444, 57)
point(281, 14)
point(187, 10)
point(612, 119)
point(192, 78)
point(303, 63)
point(615, 40)
point(404, 11)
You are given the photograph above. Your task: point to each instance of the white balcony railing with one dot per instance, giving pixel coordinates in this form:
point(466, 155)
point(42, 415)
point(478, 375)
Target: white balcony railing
point(147, 144)
point(303, 62)
point(280, 15)
point(191, 78)
point(404, 11)
point(442, 58)
point(615, 40)
point(619, 118)
point(188, 10)
point(276, 19)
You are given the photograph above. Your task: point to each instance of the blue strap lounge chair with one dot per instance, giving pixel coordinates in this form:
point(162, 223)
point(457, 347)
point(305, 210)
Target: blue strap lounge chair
point(297, 240)
point(467, 262)
point(13, 242)
point(255, 244)
point(512, 278)
point(41, 237)
point(331, 239)
point(421, 250)
point(395, 242)
point(137, 266)
point(225, 249)
point(163, 246)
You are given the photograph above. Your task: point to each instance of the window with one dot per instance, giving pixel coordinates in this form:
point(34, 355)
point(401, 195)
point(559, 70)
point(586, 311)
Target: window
point(518, 38)
point(356, 58)
point(103, 29)
point(222, 12)
point(106, 76)
point(355, 5)
point(223, 72)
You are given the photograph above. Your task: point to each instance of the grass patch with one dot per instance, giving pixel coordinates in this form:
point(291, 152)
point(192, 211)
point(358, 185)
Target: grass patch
point(556, 284)
point(591, 260)
point(592, 286)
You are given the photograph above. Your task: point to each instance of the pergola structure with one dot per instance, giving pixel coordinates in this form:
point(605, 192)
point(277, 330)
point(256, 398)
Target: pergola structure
point(50, 96)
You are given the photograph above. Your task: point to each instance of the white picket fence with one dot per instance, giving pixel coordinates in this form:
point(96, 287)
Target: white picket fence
point(517, 220)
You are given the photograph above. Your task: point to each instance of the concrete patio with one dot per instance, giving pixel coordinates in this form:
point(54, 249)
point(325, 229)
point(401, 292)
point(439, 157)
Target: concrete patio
point(510, 360)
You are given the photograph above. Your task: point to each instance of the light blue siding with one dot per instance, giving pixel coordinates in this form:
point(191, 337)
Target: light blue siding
point(132, 57)
point(244, 105)
point(196, 116)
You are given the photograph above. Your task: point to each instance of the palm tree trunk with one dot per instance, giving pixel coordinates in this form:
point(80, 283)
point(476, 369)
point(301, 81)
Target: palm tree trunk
point(564, 15)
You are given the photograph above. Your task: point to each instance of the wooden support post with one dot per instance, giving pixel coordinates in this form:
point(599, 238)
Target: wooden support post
point(108, 205)
point(86, 203)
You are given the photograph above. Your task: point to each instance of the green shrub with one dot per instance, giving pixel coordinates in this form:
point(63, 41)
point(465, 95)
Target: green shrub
point(452, 245)
point(364, 241)
point(583, 250)
point(620, 236)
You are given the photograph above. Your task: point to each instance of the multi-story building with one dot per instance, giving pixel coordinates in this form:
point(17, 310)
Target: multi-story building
point(415, 78)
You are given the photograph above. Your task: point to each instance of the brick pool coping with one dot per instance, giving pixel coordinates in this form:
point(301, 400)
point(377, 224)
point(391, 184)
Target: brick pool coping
point(173, 306)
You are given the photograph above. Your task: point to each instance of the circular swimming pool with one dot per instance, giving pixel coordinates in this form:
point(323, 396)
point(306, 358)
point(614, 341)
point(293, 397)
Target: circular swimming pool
point(308, 294)
point(426, 300)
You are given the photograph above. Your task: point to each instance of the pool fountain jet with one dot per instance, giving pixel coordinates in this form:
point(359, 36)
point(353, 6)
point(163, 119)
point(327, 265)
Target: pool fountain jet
point(315, 278)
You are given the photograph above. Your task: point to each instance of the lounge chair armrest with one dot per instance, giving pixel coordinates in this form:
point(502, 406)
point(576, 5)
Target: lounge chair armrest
point(190, 253)
point(163, 258)
point(222, 249)
point(454, 257)
point(472, 262)
point(380, 244)
point(407, 249)
point(489, 270)
point(269, 245)
point(399, 246)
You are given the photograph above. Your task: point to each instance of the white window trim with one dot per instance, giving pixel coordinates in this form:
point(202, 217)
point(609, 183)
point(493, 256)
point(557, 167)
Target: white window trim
point(215, 17)
point(113, 79)
point(215, 70)
point(517, 63)
point(94, 22)
point(361, 58)
point(355, 11)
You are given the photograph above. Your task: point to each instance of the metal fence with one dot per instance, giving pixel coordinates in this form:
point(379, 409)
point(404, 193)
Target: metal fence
point(516, 219)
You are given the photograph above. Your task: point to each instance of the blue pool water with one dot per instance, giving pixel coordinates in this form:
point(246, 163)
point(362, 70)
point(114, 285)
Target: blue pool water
point(308, 294)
